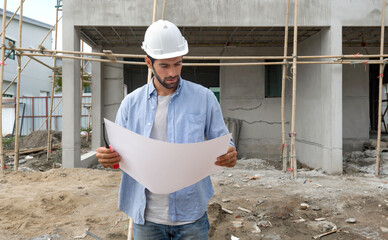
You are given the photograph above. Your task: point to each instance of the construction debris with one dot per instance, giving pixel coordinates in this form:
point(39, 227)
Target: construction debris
point(227, 211)
point(325, 234)
point(351, 220)
point(244, 209)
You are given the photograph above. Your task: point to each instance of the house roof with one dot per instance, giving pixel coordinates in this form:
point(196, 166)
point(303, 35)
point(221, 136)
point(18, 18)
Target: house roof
point(27, 20)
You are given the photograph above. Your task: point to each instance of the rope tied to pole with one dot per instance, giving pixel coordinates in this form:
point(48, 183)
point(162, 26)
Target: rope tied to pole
point(353, 64)
point(385, 62)
point(42, 48)
point(290, 134)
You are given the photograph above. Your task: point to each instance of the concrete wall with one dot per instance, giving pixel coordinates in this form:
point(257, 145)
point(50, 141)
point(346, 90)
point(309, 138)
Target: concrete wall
point(355, 106)
point(113, 85)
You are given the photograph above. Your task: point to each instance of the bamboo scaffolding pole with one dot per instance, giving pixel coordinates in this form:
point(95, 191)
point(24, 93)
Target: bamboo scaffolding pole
point(381, 76)
point(209, 64)
point(29, 60)
point(164, 9)
point(149, 76)
point(120, 55)
point(19, 60)
point(284, 77)
point(1, 86)
point(44, 64)
point(55, 108)
point(11, 18)
point(293, 165)
point(82, 75)
point(49, 143)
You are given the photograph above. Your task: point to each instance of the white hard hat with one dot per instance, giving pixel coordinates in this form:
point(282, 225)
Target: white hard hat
point(164, 40)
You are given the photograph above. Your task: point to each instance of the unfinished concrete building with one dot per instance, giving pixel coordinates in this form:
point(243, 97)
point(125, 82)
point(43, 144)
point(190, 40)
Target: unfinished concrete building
point(336, 104)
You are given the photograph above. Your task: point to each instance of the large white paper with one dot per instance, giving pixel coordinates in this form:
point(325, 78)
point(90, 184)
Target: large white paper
point(164, 167)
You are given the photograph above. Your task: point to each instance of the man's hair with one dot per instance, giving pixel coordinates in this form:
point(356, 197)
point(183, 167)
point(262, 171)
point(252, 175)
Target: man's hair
point(152, 59)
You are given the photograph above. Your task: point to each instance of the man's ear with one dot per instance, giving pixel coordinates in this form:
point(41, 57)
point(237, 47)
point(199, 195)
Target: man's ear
point(148, 62)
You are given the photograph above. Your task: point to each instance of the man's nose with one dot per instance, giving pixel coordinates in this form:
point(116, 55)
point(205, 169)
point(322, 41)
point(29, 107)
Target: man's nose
point(172, 72)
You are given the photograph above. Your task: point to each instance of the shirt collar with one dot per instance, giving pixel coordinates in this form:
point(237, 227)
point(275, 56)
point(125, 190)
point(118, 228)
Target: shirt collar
point(152, 90)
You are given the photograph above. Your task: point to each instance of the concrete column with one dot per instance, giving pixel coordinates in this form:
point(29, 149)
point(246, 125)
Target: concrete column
point(97, 101)
point(332, 101)
point(113, 89)
point(71, 123)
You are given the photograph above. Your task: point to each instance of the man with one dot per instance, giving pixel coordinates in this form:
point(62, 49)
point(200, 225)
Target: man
point(173, 110)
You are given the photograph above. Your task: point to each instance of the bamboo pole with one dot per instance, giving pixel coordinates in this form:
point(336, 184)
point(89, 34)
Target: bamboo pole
point(19, 60)
point(117, 55)
point(49, 143)
point(149, 76)
point(381, 76)
point(209, 64)
point(284, 77)
point(11, 18)
point(82, 75)
point(89, 108)
point(294, 68)
point(29, 60)
point(164, 9)
point(1, 86)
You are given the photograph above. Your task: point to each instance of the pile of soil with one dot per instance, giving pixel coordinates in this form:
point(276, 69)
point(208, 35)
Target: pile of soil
point(34, 140)
point(38, 161)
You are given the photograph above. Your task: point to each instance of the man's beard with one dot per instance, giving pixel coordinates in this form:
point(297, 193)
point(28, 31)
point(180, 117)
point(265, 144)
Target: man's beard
point(164, 81)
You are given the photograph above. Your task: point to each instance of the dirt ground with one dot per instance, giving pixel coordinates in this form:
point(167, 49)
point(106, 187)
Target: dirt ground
point(64, 203)
point(40, 203)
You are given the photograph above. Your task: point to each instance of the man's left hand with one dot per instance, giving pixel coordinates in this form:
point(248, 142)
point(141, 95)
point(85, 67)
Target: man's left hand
point(229, 159)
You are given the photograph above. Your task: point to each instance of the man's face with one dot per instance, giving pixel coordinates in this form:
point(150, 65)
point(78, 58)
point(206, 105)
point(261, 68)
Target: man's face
point(168, 71)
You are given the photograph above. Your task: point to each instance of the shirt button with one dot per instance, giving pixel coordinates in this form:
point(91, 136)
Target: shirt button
point(153, 107)
point(149, 124)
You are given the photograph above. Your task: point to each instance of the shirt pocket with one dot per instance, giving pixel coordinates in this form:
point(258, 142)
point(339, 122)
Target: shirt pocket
point(196, 127)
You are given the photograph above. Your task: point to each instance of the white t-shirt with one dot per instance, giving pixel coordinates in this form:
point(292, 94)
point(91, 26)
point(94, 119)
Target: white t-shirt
point(157, 204)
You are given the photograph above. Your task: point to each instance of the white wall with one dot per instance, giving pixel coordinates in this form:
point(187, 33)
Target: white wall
point(35, 76)
point(8, 120)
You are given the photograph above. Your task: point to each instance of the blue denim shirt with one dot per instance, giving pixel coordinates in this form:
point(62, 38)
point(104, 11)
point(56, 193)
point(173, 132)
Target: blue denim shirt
point(194, 115)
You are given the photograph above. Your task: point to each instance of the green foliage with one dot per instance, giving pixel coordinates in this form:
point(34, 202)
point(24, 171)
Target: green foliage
point(8, 141)
point(58, 81)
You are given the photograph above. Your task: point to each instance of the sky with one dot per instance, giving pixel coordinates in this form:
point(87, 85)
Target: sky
point(41, 10)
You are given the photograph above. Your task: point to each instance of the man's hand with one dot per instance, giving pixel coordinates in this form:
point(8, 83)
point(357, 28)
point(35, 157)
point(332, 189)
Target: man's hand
point(229, 159)
point(108, 157)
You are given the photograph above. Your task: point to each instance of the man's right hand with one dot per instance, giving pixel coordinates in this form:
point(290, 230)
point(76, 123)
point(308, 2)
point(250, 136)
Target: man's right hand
point(108, 157)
